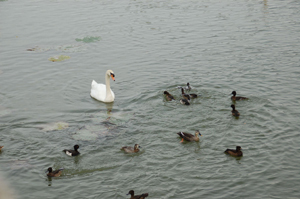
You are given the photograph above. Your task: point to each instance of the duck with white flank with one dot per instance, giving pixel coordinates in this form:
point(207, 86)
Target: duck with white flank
point(74, 152)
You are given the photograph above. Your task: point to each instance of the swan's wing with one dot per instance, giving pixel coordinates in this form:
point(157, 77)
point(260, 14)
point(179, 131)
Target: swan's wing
point(112, 93)
point(98, 91)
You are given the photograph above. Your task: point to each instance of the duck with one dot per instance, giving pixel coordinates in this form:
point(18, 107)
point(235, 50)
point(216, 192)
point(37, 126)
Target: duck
point(188, 87)
point(103, 92)
point(52, 173)
point(236, 153)
point(234, 97)
point(1, 147)
point(234, 112)
point(188, 96)
point(189, 137)
point(74, 152)
point(129, 149)
point(143, 196)
point(185, 101)
point(169, 97)
point(185, 96)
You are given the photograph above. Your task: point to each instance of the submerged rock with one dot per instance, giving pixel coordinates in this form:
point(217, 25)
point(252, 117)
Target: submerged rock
point(59, 58)
point(54, 126)
point(89, 39)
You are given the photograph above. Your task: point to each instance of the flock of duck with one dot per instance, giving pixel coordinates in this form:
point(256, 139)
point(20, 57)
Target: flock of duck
point(186, 101)
point(104, 93)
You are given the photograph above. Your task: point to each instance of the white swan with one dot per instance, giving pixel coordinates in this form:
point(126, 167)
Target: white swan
point(103, 92)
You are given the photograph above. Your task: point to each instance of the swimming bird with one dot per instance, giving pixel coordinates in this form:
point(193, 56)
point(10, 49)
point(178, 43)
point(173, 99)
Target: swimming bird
point(188, 96)
point(185, 101)
point(185, 96)
point(169, 97)
point(189, 137)
point(188, 88)
point(234, 112)
point(234, 97)
point(143, 196)
point(1, 147)
point(74, 152)
point(237, 152)
point(52, 173)
point(102, 92)
point(129, 149)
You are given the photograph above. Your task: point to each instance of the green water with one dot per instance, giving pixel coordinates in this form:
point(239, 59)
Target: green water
point(152, 46)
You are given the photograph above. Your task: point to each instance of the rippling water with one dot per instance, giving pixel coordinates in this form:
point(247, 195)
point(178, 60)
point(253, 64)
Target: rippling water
point(152, 46)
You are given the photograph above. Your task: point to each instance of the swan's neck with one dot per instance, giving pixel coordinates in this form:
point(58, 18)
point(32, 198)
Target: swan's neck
point(108, 92)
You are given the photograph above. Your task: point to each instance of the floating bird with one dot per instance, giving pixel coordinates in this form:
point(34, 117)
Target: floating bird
point(237, 152)
point(185, 96)
point(52, 173)
point(143, 196)
point(102, 92)
point(130, 149)
point(169, 97)
point(234, 97)
point(189, 137)
point(234, 112)
point(185, 102)
point(188, 88)
point(74, 152)
point(188, 96)
point(1, 147)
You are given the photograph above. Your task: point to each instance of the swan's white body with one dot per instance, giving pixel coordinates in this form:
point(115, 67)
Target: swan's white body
point(103, 92)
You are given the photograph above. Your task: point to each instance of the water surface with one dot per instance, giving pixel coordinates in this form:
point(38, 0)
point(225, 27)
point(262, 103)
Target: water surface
point(152, 46)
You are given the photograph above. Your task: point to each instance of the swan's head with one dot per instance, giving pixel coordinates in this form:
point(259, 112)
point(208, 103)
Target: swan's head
point(111, 74)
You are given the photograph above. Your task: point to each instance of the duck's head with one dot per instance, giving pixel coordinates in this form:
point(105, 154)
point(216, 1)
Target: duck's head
point(131, 192)
point(111, 74)
point(166, 93)
point(182, 90)
point(232, 106)
point(136, 146)
point(233, 93)
point(197, 133)
point(76, 147)
point(238, 148)
point(49, 170)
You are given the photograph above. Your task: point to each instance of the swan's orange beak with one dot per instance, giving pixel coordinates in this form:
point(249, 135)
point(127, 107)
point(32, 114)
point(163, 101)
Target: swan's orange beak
point(113, 77)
